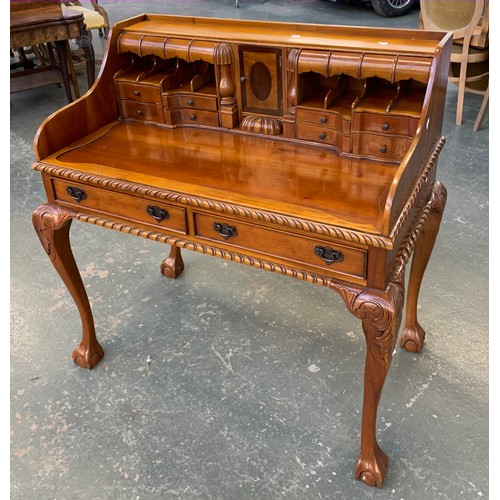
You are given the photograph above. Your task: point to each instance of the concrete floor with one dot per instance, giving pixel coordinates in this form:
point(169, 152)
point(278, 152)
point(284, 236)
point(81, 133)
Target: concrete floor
point(210, 387)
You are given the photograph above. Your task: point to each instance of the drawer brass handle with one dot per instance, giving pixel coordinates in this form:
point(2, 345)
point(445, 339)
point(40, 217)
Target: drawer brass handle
point(385, 126)
point(192, 117)
point(190, 102)
point(225, 230)
point(383, 149)
point(139, 112)
point(136, 92)
point(322, 135)
point(157, 213)
point(323, 119)
point(328, 254)
point(76, 194)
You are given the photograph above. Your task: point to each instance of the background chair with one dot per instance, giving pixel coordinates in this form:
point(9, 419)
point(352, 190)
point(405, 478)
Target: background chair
point(469, 22)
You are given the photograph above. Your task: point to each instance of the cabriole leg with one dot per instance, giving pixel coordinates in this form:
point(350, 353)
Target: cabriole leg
point(380, 312)
point(173, 265)
point(52, 226)
point(414, 335)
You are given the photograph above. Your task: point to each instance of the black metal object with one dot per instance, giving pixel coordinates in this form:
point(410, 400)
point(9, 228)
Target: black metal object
point(328, 254)
point(225, 230)
point(76, 193)
point(157, 213)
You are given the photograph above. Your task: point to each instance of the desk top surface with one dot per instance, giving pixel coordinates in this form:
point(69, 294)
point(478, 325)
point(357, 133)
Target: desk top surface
point(302, 181)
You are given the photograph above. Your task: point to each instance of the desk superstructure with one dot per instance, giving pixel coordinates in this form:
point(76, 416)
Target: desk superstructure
point(305, 150)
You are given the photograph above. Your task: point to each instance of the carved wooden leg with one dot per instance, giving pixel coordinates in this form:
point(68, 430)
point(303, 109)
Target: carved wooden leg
point(173, 265)
point(380, 312)
point(413, 336)
point(52, 226)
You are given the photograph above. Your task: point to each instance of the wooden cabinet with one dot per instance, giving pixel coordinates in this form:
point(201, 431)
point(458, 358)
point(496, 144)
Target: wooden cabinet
point(305, 150)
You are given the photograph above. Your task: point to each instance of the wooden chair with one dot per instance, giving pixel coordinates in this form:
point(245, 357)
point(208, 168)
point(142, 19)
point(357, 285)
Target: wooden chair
point(469, 22)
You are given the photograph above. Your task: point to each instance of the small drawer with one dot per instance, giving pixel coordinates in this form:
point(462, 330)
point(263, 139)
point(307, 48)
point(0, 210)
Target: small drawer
point(321, 118)
point(323, 135)
point(384, 124)
point(137, 92)
point(380, 146)
point(141, 111)
point(192, 116)
point(191, 101)
point(120, 205)
point(319, 256)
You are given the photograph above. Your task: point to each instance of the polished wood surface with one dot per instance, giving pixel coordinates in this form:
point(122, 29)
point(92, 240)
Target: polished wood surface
point(306, 150)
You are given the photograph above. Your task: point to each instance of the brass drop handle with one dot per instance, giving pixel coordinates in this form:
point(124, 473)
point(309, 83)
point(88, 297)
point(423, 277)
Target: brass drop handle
point(76, 193)
point(383, 149)
point(225, 230)
point(157, 213)
point(328, 254)
point(385, 126)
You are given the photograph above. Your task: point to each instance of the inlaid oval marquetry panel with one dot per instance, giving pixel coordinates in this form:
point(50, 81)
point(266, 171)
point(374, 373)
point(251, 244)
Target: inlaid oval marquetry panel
point(261, 81)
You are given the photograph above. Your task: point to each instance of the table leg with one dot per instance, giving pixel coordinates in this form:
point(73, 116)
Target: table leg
point(173, 265)
point(52, 226)
point(62, 54)
point(380, 313)
point(414, 335)
point(85, 44)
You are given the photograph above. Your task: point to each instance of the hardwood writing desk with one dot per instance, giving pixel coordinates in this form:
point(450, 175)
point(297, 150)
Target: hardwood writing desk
point(45, 22)
point(306, 150)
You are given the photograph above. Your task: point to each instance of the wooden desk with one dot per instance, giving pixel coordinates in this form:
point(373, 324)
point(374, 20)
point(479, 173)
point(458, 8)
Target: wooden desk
point(48, 22)
point(306, 150)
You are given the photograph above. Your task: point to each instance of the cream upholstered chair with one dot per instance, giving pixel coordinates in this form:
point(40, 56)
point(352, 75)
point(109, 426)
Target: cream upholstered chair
point(469, 22)
point(96, 18)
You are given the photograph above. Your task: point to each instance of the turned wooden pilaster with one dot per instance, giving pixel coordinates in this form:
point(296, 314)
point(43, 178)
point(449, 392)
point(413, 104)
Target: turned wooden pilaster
point(52, 226)
point(428, 227)
point(173, 265)
point(380, 313)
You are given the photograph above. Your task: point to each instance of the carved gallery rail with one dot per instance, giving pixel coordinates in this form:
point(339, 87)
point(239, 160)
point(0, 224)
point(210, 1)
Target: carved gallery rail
point(221, 136)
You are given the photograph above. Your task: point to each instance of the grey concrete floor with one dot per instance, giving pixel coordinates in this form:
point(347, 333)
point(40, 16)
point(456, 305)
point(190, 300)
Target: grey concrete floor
point(233, 383)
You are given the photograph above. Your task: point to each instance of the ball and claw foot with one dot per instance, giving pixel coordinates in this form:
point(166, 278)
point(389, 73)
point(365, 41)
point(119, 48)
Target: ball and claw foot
point(371, 470)
point(413, 338)
point(88, 356)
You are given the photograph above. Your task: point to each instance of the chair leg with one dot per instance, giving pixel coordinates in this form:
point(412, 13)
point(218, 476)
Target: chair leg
point(482, 110)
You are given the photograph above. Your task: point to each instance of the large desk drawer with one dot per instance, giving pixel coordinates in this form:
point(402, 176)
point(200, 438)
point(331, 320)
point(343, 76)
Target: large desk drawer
point(120, 205)
point(320, 256)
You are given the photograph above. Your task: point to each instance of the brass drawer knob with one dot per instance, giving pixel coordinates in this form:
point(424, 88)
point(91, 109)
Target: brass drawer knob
point(385, 126)
point(190, 102)
point(137, 92)
point(383, 149)
point(76, 193)
point(328, 254)
point(158, 213)
point(225, 230)
point(192, 117)
point(139, 112)
point(322, 135)
point(323, 119)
